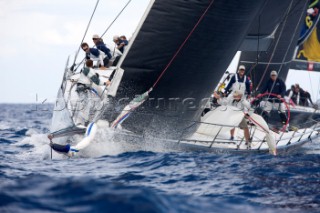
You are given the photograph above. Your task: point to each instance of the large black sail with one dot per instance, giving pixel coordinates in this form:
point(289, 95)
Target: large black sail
point(196, 69)
point(284, 36)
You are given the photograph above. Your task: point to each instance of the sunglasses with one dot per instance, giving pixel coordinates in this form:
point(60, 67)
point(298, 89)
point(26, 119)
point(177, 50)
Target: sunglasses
point(273, 75)
point(94, 39)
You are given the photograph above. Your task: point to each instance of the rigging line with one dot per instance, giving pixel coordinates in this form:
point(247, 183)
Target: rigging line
point(292, 10)
point(101, 112)
point(182, 45)
point(80, 64)
point(85, 33)
point(276, 45)
point(310, 83)
point(145, 95)
point(318, 91)
point(258, 47)
point(110, 25)
point(292, 37)
point(273, 63)
point(314, 4)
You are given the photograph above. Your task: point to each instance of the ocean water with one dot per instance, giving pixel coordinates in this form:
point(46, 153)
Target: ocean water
point(119, 180)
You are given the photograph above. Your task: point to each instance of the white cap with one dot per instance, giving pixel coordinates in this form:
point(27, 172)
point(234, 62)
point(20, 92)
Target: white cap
point(116, 37)
point(273, 72)
point(242, 67)
point(95, 36)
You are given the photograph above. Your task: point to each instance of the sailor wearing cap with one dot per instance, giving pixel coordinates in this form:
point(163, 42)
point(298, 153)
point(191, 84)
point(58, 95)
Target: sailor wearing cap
point(236, 100)
point(120, 43)
point(95, 55)
point(239, 82)
point(277, 87)
point(97, 40)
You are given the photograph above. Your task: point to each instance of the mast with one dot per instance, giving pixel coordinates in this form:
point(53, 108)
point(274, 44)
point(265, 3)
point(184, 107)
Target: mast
point(275, 41)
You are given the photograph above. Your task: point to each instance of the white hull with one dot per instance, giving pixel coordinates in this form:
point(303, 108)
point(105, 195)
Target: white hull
point(286, 142)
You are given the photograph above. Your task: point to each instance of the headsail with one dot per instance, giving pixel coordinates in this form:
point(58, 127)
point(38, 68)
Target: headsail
point(61, 117)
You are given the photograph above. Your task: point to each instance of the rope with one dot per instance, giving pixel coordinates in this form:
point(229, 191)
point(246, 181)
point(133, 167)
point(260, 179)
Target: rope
point(285, 55)
point(292, 37)
point(255, 122)
point(310, 83)
point(182, 45)
point(115, 18)
point(142, 99)
point(281, 99)
point(275, 47)
point(110, 25)
point(50, 149)
point(85, 33)
point(318, 91)
point(258, 54)
point(256, 63)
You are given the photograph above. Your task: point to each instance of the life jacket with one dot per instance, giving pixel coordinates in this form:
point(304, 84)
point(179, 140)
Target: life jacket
point(239, 86)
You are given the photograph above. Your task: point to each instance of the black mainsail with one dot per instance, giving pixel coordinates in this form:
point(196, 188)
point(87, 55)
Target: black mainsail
point(179, 95)
point(282, 36)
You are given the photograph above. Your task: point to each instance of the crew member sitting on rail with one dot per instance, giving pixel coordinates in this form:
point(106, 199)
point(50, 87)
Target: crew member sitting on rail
point(292, 95)
point(239, 82)
point(237, 100)
point(124, 39)
point(289, 91)
point(304, 97)
point(95, 55)
point(101, 46)
point(120, 43)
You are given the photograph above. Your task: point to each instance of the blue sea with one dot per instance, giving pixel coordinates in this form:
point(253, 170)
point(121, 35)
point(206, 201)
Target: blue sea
point(145, 181)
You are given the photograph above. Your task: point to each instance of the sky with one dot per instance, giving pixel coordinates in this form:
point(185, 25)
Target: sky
point(37, 36)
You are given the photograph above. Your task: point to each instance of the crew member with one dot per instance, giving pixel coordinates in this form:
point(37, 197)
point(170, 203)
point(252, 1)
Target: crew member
point(236, 100)
point(95, 55)
point(275, 86)
point(239, 82)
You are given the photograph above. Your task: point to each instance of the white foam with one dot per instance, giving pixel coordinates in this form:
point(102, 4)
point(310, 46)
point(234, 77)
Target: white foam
point(31, 132)
point(4, 125)
point(106, 142)
point(40, 147)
